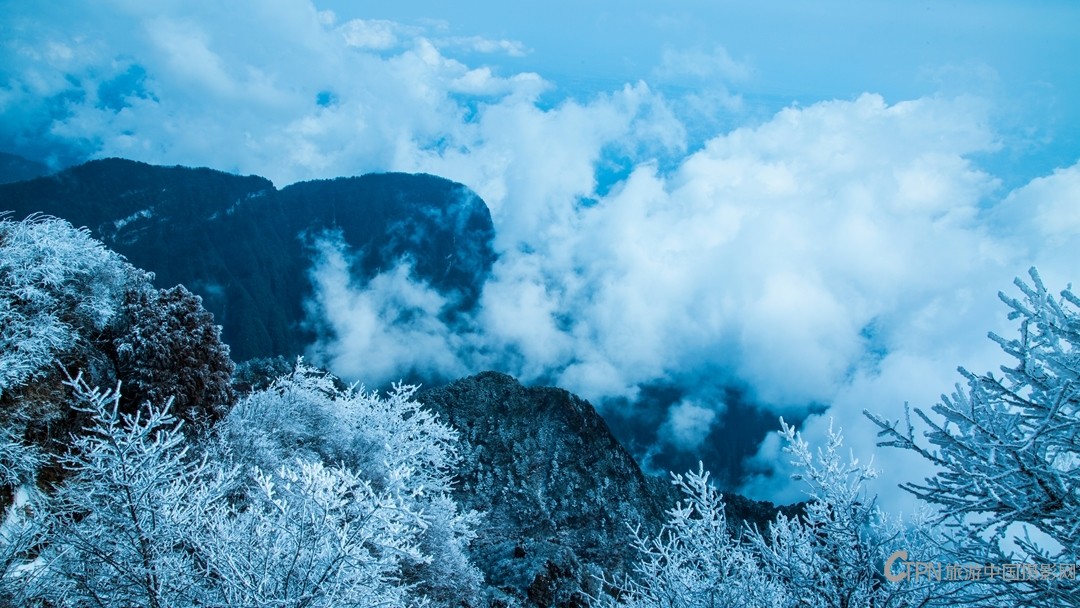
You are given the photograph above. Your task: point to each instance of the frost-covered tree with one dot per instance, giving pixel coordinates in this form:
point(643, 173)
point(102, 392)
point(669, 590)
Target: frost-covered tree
point(392, 442)
point(348, 498)
point(830, 556)
point(1007, 450)
point(69, 303)
point(22, 528)
point(146, 518)
point(834, 553)
point(169, 348)
point(55, 283)
point(124, 523)
point(313, 536)
point(695, 561)
point(58, 288)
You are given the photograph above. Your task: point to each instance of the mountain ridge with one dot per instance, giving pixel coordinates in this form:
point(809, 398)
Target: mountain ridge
point(245, 246)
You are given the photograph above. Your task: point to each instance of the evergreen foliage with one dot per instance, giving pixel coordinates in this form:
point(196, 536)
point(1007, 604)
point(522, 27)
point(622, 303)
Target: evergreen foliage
point(170, 348)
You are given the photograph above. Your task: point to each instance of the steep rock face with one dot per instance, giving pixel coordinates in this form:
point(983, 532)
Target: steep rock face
point(557, 487)
point(245, 247)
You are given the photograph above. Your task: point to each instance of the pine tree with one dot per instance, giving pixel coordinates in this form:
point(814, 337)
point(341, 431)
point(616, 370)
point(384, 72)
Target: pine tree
point(169, 348)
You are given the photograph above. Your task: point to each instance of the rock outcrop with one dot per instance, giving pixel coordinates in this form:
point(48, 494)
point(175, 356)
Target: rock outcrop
point(558, 490)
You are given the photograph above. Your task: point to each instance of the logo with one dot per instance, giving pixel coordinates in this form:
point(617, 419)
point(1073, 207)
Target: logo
point(891, 563)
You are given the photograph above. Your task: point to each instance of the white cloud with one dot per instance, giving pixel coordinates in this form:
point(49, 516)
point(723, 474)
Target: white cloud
point(240, 88)
point(688, 424)
point(845, 254)
point(697, 65)
point(382, 330)
point(478, 44)
point(373, 34)
point(1041, 221)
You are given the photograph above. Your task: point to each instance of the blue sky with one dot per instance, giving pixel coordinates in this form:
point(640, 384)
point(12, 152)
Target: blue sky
point(802, 52)
point(813, 203)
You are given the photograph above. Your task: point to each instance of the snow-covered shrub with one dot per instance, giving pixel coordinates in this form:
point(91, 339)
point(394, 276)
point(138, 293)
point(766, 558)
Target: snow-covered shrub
point(695, 561)
point(124, 523)
point(21, 522)
point(395, 445)
point(314, 536)
point(58, 286)
point(1008, 452)
point(147, 518)
point(69, 303)
point(834, 554)
point(831, 556)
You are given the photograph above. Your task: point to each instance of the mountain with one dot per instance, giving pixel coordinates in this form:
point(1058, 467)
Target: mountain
point(556, 486)
point(15, 168)
point(246, 247)
point(558, 490)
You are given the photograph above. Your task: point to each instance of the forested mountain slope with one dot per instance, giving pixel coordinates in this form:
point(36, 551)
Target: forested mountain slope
point(14, 168)
point(246, 247)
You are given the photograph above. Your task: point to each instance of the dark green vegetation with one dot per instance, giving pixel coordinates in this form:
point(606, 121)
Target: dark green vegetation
point(245, 247)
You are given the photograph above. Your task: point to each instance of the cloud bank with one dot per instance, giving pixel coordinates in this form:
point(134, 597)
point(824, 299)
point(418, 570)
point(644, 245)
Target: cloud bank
point(824, 259)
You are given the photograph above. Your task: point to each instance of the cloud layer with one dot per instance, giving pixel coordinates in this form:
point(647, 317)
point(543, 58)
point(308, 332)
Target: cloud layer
point(838, 256)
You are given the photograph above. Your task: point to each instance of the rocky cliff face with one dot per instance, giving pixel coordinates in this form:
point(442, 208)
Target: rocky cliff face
point(557, 489)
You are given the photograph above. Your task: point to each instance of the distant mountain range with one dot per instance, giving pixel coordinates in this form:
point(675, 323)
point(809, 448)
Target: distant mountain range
point(16, 168)
point(245, 246)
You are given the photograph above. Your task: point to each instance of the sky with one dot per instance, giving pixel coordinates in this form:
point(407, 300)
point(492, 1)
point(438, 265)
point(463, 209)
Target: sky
point(707, 213)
